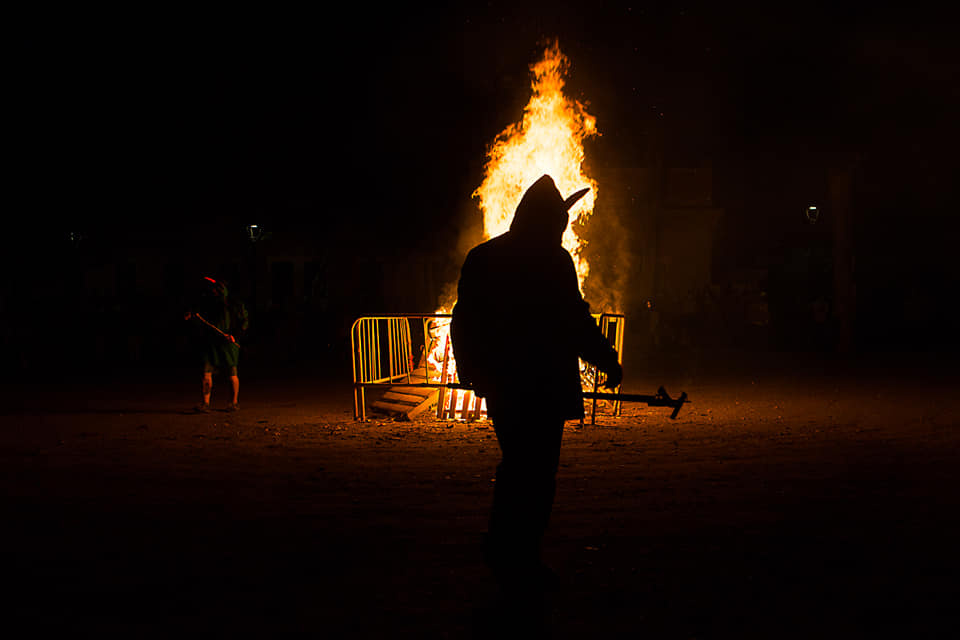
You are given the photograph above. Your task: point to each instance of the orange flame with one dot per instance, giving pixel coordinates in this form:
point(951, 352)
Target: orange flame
point(548, 140)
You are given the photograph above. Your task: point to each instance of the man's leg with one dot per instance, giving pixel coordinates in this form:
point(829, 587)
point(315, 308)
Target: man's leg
point(235, 386)
point(523, 493)
point(207, 386)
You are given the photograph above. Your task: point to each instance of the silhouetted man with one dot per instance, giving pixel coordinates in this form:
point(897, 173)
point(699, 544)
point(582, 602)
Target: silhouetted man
point(519, 327)
point(218, 350)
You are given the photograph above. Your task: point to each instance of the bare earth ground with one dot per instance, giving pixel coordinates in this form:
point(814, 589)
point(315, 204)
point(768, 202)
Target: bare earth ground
point(784, 503)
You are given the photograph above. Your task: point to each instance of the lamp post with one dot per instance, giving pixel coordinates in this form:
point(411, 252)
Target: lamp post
point(254, 234)
point(840, 187)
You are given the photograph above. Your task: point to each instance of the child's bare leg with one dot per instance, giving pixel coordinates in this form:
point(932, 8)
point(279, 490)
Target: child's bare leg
point(235, 383)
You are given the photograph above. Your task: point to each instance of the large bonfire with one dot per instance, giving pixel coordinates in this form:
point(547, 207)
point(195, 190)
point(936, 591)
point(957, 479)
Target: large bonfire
point(548, 140)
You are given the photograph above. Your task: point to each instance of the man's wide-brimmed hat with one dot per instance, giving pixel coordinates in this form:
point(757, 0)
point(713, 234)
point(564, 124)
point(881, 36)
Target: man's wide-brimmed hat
point(542, 206)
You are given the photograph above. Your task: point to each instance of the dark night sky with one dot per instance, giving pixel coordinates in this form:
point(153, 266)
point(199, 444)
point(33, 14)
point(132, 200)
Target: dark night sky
point(150, 118)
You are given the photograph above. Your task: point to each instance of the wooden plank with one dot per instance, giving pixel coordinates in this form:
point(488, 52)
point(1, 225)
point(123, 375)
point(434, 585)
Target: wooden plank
point(391, 407)
point(454, 401)
point(414, 379)
point(425, 405)
point(409, 398)
point(407, 409)
point(441, 400)
point(420, 392)
point(478, 404)
point(443, 380)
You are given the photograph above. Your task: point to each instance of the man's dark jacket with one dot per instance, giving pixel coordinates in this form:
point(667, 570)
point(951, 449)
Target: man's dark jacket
point(520, 323)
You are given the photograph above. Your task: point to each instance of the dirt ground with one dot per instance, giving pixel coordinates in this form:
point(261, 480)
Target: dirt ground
point(792, 499)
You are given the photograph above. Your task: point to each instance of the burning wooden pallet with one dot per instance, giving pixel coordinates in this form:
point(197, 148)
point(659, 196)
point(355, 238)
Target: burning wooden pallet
point(409, 401)
point(457, 404)
point(460, 404)
point(406, 401)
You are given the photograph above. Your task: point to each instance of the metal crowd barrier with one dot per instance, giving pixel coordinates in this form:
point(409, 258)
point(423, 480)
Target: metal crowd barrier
point(612, 325)
point(374, 367)
point(404, 364)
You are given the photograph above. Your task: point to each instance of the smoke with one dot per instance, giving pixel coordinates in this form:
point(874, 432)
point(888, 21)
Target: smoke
point(608, 252)
point(448, 298)
point(464, 233)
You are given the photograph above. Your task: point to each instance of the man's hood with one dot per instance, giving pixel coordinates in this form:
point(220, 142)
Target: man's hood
point(541, 216)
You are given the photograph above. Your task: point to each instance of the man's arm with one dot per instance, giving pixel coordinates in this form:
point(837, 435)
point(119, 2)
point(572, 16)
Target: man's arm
point(592, 345)
point(467, 326)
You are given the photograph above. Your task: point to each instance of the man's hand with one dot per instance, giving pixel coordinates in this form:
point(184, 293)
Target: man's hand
point(614, 377)
point(232, 339)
